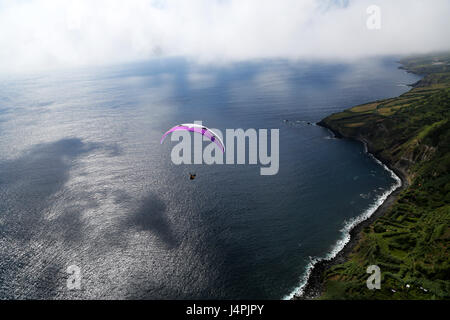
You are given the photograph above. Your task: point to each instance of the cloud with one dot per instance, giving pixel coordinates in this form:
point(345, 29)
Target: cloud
point(39, 34)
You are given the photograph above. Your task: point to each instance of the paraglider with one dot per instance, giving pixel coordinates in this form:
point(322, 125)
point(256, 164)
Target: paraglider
point(183, 152)
point(192, 127)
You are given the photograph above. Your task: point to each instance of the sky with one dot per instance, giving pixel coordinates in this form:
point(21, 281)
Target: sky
point(48, 34)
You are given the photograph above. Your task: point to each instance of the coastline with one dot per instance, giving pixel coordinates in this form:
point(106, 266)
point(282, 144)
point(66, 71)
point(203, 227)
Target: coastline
point(412, 146)
point(312, 285)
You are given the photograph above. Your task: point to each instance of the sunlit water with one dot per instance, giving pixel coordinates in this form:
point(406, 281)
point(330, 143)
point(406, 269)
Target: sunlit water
point(84, 180)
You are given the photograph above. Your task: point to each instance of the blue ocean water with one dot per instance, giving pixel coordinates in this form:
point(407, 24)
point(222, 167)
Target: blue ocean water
point(85, 182)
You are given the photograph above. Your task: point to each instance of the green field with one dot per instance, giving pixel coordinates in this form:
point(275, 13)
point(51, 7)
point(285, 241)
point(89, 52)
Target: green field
point(410, 243)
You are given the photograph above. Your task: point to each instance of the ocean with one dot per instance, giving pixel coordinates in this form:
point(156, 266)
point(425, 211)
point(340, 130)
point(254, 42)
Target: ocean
point(84, 179)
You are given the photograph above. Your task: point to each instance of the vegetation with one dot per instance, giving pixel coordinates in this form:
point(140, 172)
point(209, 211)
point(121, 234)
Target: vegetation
point(410, 243)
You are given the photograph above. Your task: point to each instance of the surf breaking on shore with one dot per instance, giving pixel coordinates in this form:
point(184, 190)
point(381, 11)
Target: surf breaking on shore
point(346, 230)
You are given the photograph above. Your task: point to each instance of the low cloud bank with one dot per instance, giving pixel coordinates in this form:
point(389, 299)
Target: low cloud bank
point(40, 34)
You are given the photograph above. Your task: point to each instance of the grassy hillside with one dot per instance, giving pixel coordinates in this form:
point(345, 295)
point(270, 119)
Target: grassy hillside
point(410, 243)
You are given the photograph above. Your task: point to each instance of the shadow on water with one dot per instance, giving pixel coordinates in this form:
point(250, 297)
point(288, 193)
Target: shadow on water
point(27, 184)
point(152, 216)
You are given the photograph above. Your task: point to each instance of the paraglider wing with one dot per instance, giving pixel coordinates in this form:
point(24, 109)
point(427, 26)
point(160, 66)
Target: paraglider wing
point(192, 127)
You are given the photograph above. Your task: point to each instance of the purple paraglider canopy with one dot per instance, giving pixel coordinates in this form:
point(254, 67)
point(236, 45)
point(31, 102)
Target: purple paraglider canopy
point(192, 127)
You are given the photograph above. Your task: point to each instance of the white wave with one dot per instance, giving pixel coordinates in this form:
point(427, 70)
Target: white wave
point(348, 226)
point(331, 136)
